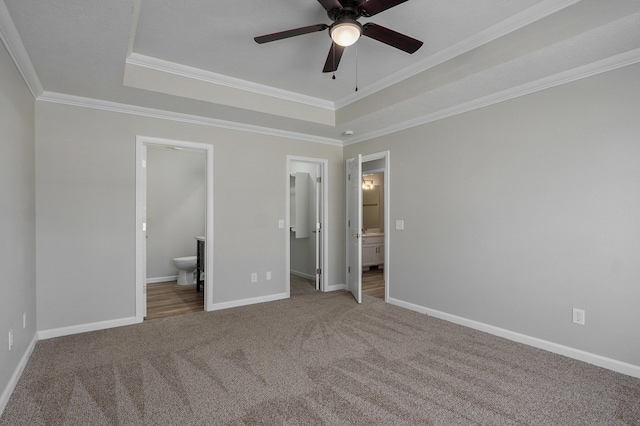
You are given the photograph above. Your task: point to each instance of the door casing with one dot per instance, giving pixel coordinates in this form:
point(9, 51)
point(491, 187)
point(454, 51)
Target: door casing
point(386, 155)
point(324, 213)
point(141, 205)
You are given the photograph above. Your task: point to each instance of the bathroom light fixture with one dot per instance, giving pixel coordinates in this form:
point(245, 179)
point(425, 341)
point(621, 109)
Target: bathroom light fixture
point(367, 184)
point(345, 32)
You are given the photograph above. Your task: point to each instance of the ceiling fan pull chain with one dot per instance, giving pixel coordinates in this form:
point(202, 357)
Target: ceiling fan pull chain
point(356, 68)
point(333, 50)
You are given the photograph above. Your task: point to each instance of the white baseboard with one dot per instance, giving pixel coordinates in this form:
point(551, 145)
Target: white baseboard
point(162, 279)
point(13, 381)
point(303, 275)
point(250, 301)
point(580, 355)
point(335, 287)
point(83, 328)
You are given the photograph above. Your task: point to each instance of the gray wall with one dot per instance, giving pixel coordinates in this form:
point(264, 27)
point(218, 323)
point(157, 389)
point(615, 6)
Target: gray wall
point(524, 210)
point(17, 217)
point(176, 206)
point(86, 210)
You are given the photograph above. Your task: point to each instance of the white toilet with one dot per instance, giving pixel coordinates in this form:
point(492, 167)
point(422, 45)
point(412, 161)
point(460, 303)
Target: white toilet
point(186, 268)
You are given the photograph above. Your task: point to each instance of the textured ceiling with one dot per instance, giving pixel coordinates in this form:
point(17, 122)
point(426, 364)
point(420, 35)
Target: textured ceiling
point(197, 58)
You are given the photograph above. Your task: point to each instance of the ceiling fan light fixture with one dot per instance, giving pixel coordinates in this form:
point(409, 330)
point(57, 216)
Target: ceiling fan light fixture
point(345, 32)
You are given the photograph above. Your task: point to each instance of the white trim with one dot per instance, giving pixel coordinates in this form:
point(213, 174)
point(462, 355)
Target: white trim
point(250, 301)
point(335, 287)
point(17, 373)
point(79, 101)
point(407, 305)
point(83, 328)
point(609, 64)
point(225, 80)
point(140, 294)
point(303, 275)
point(11, 38)
point(578, 354)
point(386, 155)
point(162, 279)
point(324, 231)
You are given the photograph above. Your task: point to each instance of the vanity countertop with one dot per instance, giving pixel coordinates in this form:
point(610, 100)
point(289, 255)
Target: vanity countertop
point(373, 234)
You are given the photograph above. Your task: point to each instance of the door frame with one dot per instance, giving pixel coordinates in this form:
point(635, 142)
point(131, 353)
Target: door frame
point(142, 142)
point(386, 155)
point(324, 220)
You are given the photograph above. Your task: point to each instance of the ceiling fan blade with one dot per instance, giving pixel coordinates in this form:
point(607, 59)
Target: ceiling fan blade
point(333, 59)
point(330, 4)
point(373, 7)
point(290, 33)
point(390, 37)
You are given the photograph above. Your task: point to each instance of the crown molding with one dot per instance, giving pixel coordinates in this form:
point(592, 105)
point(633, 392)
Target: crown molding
point(13, 42)
point(609, 64)
point(224, 80)
point(78, 101)
point(494, 32)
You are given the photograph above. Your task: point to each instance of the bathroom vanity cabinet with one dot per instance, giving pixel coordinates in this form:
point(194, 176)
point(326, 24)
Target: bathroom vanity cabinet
point(372, 251)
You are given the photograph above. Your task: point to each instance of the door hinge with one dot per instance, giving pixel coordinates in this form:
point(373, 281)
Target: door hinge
point(349, 269)
point(319, 179)
point(349, 177)
point(318, 271)
point(349, 223)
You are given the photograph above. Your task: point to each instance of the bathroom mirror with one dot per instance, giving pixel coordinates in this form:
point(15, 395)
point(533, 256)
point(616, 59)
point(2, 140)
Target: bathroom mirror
point(371, 207)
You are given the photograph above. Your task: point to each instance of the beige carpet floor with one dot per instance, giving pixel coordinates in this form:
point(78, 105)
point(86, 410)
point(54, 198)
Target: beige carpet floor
point(316, 358)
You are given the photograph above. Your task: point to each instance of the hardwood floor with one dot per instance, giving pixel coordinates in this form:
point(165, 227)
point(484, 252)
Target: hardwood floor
point(169, 299)
point(373, 283)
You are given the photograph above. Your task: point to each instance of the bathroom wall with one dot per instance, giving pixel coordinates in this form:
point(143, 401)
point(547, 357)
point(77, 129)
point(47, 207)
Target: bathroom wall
point(518, 212)
point(17, 222)
point(303, 250)
point(176, 207)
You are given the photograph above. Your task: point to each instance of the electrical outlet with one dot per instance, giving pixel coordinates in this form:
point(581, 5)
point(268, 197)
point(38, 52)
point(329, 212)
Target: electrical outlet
point(254, 277)
point(269, 276)
point(400, 225)
point(10, 339)
point(578, 316)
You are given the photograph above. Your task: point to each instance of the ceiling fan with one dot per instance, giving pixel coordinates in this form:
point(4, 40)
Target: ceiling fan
point(346, 29)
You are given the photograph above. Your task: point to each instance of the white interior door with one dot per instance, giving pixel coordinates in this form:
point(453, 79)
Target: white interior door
point(354, 227)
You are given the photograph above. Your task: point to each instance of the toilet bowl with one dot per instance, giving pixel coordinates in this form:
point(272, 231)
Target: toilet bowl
point(186, 267)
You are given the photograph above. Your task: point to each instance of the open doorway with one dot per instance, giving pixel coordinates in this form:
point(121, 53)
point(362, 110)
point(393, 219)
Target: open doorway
point(176, 212)
point(174, 216)
point(373, 252)
point(367, 181)
point(306, 209)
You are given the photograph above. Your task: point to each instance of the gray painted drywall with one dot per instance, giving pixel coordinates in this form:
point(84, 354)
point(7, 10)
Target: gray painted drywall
point(303, 250)
point(86, 210)
point(524, 210)
point(176, 206)
point(17, 217)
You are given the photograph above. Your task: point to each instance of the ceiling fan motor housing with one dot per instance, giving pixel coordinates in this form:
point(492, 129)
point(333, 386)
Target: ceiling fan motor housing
point(350, 10)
